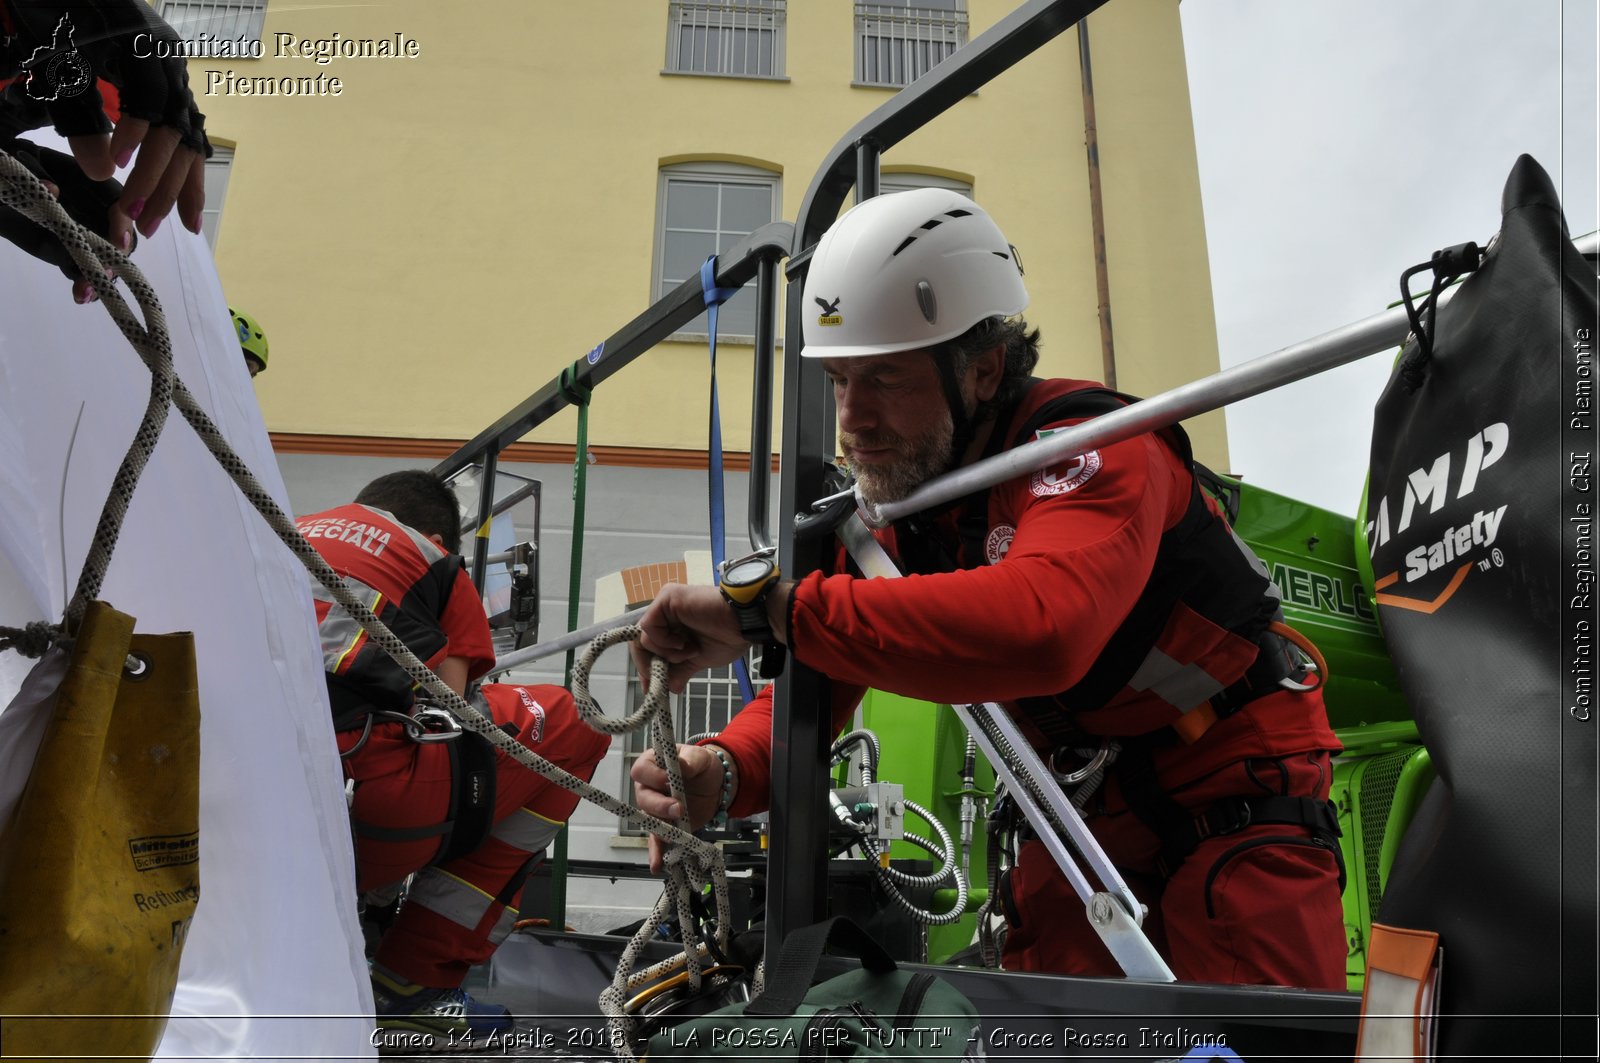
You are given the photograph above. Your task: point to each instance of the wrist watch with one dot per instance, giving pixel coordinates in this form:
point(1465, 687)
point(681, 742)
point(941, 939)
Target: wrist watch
point(746, 585)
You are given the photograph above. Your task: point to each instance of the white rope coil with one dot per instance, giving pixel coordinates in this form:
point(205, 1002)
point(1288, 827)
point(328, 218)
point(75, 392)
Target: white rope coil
point(690, 868)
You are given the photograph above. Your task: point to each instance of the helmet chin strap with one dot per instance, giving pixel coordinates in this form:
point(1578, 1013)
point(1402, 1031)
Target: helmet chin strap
point(965, 427)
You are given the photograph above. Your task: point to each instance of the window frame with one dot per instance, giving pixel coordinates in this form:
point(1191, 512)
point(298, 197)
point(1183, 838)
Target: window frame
point(721, 173)
point(776, 10)
point(957, 28)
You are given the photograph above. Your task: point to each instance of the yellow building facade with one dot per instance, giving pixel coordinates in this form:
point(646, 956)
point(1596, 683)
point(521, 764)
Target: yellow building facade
point(433, 208)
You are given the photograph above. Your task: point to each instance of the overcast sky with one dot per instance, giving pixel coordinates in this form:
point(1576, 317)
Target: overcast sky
point(1342, 141)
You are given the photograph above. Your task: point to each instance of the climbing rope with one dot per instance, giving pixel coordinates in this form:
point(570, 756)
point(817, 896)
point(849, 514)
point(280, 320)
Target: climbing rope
point(102, 264)
point(694, 862)
point(689, 868)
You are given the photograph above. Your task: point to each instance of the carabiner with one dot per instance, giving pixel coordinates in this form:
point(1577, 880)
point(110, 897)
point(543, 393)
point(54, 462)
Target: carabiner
point(1072, 778)
point(418, 723)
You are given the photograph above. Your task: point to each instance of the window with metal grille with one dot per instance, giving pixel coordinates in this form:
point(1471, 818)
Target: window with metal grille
point(739, 38)
point(898, 41)
point(704, 210)
point(199, 21)
point(703, 709)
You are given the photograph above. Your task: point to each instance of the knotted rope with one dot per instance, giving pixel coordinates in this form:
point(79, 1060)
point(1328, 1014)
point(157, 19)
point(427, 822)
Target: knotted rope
point(689, 868)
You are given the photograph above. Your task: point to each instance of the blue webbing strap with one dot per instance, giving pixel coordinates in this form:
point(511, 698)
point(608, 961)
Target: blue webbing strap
point(715, 297)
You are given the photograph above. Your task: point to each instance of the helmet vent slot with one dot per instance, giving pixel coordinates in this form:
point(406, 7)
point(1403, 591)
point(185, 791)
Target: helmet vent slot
point(931, 223)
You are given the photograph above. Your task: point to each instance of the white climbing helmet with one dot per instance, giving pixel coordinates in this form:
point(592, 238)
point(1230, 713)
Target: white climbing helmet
point(907, 270)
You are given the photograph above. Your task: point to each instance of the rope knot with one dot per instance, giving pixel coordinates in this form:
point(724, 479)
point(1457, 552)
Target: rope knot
point(33, 639)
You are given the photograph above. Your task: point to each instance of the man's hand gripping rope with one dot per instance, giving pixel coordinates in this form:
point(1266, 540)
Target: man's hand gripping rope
point(691, 864)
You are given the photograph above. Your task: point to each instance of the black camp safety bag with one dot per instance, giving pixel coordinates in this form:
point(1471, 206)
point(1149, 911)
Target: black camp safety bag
point(877, 1012)
point(1474, 516)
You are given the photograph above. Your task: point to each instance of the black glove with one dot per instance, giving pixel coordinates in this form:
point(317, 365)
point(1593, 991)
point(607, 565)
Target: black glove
point(88, 202)
point(62, 46)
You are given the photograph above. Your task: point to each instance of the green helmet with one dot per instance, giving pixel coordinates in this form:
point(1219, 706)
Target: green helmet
point(251, 336)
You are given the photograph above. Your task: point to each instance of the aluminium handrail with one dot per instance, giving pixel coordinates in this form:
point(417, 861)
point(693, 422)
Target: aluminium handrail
point(1371, 335)
point(561, 643)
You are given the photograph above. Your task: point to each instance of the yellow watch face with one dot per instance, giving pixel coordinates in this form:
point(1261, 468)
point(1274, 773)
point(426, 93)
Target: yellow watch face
point(744, 581)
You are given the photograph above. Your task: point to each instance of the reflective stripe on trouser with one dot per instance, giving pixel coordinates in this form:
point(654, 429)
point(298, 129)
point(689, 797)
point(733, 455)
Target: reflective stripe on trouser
point(525, 834)
point(458, 912)
point(1256, 907)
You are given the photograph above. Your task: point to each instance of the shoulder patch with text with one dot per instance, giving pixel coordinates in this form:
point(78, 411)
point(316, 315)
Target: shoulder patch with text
point(1059, 479)
point(998, 543)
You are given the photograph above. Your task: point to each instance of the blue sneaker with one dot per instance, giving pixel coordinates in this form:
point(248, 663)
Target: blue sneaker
point(448, 1017)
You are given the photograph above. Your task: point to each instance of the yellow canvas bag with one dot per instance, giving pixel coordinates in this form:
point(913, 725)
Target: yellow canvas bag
point(99, 864)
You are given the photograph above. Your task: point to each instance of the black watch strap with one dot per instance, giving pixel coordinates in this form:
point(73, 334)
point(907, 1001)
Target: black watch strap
point(755, 627)
point(774, 654)
point(753, 623)
point(755, 578)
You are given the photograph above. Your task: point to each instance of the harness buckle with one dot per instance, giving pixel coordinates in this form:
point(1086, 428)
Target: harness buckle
point(420, 725)
point(1228, 817)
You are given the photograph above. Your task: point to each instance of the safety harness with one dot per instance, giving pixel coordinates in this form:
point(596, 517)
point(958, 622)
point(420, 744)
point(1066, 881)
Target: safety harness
point(470, 818)
point(1199, 564)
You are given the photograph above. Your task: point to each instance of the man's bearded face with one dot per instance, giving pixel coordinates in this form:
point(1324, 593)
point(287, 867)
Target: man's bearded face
point(888, 466)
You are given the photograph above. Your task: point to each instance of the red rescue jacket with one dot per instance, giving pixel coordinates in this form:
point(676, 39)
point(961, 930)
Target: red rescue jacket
point(423, 594)
point(1104, 594)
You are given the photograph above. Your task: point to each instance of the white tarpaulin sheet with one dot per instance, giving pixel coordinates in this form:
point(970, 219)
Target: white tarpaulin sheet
point(273, 967)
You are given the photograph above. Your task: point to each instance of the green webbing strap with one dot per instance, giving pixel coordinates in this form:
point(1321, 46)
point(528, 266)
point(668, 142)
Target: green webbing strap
point(578, 394)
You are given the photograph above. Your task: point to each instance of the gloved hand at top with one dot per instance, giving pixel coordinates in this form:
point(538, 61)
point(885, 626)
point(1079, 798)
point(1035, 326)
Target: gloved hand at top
point(87, 201)
point(57, 52)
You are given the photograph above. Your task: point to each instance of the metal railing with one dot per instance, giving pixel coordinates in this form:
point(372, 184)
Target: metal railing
point(1383, 331)
point(757, 256)
point(896, 45)
point(741, 38)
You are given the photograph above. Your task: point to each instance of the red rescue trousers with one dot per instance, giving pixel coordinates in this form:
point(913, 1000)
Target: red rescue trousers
point(456, 914)
point(1259, 906)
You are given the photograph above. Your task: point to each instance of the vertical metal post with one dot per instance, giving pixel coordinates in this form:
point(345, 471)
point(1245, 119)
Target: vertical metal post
point(480, 551)
point(867, 155)
point(538, 555)
point(761, 402)
point(801, 733)
point(1102, 280)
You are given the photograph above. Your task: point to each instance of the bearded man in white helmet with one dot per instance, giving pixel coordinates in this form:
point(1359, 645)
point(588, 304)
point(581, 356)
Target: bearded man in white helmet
point(1103, 599)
